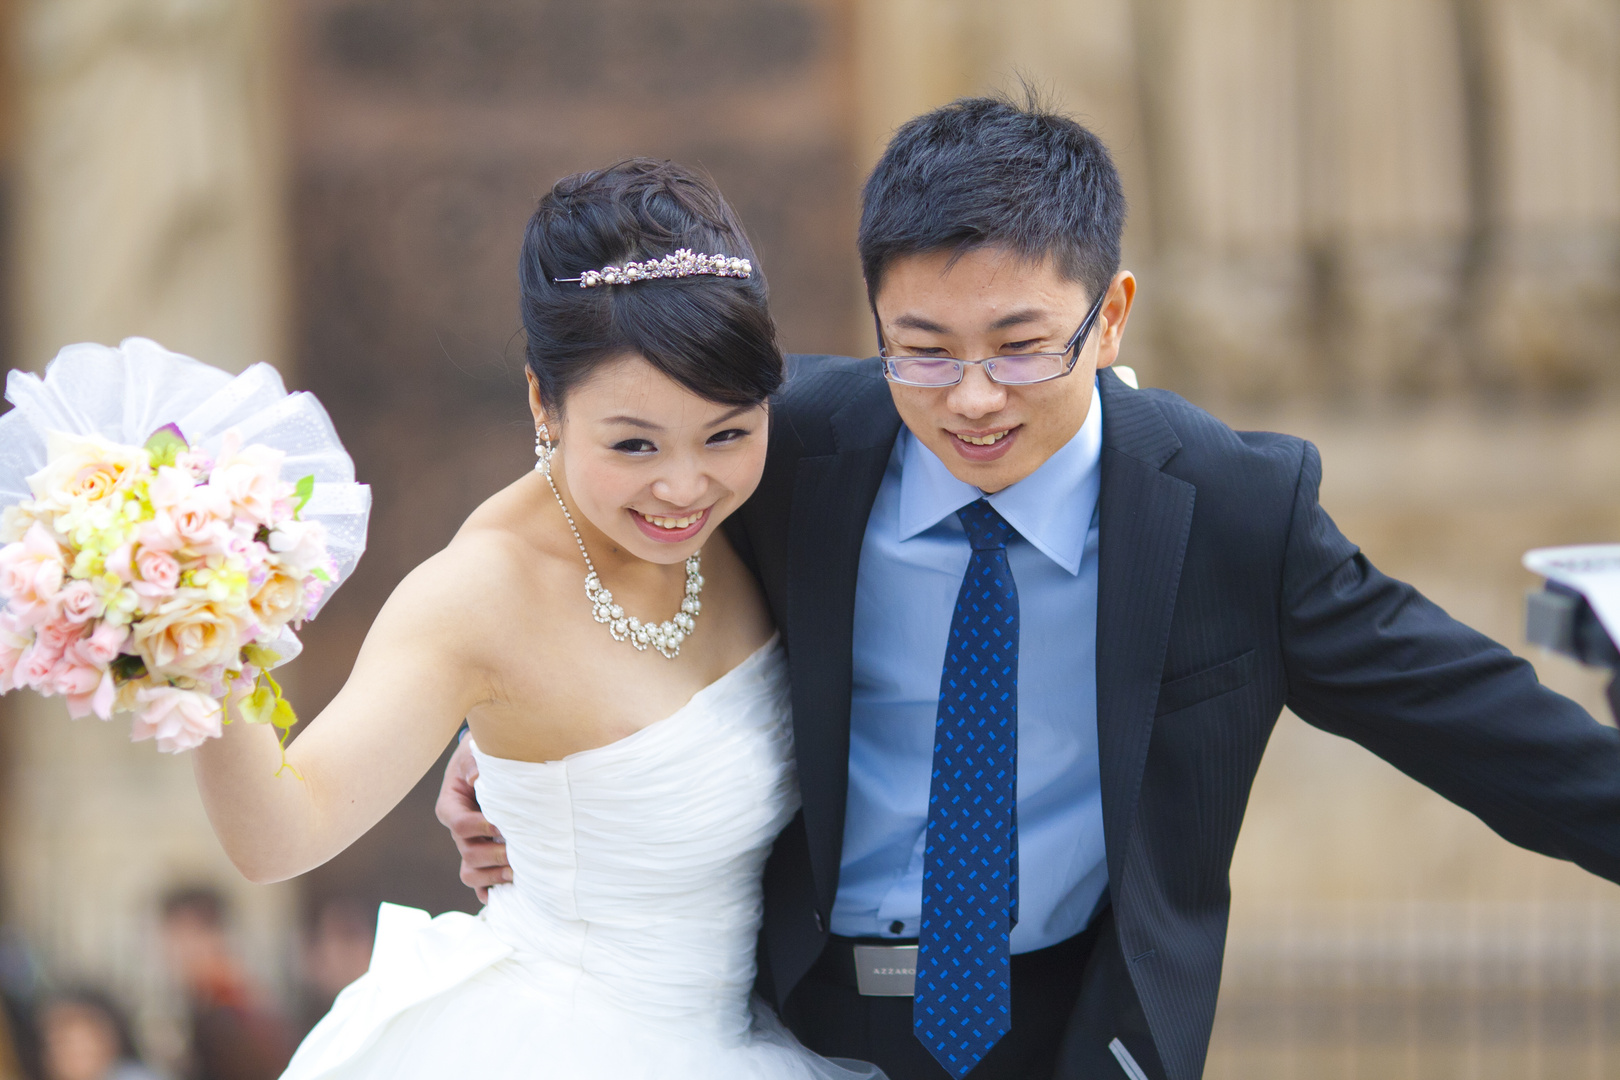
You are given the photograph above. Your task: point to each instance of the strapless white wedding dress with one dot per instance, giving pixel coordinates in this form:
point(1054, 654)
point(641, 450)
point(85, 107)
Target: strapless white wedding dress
point(625, 946)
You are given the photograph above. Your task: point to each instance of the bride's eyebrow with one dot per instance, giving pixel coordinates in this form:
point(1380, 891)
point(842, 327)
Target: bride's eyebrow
point(732, 415)
point(648, 425)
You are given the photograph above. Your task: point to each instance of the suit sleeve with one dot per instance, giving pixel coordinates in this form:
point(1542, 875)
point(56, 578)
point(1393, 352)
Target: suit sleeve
point(1369, 658)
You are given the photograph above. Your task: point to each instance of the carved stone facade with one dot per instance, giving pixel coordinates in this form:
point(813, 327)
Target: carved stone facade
point(149, 196)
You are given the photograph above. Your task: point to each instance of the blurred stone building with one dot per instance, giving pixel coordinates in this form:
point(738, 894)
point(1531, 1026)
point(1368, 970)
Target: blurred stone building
point(1390, 225)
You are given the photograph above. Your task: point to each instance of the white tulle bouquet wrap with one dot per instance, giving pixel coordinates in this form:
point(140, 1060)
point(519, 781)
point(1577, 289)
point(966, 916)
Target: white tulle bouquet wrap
point(166, 527)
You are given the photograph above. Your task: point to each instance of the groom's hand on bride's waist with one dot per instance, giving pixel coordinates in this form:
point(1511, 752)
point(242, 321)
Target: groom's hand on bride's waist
point(483, 850)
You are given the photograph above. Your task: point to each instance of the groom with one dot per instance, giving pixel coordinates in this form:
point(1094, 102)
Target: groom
point(1040, 626)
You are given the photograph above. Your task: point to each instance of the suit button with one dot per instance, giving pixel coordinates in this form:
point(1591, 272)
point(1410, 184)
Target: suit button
point(821, 927)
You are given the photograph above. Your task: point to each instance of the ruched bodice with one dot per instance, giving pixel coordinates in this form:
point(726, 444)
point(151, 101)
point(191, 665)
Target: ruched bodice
point(624, 946)
point(636, 866)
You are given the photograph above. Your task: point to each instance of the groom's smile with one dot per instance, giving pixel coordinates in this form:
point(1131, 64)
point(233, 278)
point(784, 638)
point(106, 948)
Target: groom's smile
point(988, 302)
point(985, 445)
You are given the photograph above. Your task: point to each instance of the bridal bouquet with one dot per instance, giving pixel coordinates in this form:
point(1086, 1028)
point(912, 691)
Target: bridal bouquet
point(177, 530)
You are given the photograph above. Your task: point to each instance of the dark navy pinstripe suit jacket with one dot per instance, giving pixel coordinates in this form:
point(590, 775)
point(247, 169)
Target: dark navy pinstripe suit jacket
point(1225, 594)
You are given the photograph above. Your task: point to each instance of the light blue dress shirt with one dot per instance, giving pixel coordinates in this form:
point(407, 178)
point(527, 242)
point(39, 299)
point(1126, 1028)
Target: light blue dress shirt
point(912, 561)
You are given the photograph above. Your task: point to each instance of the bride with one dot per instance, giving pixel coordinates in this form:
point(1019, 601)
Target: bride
point(626, 696)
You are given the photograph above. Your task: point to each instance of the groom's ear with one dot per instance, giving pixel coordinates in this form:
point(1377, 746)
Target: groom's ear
point(1115, 311)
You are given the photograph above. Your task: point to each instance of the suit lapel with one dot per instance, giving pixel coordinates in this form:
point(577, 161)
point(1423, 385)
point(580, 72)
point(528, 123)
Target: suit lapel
point(832, 499)
point(1145, 517)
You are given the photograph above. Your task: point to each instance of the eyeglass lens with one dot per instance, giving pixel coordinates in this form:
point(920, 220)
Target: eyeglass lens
point(928, 371)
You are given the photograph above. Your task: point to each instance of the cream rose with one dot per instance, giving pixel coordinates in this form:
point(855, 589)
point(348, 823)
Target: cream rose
point(187, 635)
point(88, 468)
point(279, 600)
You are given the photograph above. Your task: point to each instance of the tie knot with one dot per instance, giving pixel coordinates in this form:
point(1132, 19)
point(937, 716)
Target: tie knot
point(986, 529)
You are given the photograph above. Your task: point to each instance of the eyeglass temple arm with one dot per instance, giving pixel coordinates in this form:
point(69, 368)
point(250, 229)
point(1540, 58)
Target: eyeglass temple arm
point(1076, 342)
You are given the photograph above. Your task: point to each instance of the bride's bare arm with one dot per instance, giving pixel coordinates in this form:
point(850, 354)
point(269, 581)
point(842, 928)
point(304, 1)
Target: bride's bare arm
point(416, 677)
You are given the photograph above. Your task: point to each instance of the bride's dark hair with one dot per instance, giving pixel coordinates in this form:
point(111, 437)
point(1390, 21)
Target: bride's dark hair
point(713, 335)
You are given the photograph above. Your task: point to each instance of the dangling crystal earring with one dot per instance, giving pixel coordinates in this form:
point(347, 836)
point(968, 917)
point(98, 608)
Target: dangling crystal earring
point(543, 451)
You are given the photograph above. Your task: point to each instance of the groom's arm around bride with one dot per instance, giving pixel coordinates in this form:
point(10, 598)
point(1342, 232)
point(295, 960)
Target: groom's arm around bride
point(1040, 626)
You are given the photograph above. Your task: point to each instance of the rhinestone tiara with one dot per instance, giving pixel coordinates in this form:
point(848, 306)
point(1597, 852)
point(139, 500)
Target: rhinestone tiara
point(678, 264)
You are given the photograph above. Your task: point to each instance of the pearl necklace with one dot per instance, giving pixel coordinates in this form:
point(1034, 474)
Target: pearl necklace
point(667, 636)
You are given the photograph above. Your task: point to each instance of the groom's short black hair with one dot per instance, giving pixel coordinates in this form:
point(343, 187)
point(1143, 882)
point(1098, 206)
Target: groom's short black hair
point(987, 170)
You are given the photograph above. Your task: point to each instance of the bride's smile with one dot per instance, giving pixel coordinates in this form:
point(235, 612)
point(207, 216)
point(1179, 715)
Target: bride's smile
point(649, 467)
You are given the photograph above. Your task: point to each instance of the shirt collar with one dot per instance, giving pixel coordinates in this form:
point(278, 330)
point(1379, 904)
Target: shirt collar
point(1052, 507)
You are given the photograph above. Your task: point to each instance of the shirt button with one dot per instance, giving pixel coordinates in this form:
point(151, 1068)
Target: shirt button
point(897, 927)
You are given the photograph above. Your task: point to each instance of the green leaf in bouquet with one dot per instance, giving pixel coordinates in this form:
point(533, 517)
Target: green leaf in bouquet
point(320, 575)
point(304, 489)
point(126, 668)
point(165, 444)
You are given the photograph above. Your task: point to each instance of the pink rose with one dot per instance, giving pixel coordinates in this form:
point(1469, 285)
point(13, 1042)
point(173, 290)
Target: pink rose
point(255, 558)
point(78, 603)
point(73, 677)
point(120, 562)
point(160, 533)
point(10, 653)
point(99, 700)
point(195, 462)
point(200, 521)
point(170, 487)
point(58, 634)
point(31, 570)
point(103, 645)
point(35, 665)
point(300, 544)
point(177, 719)
point(250, 478)
point(160, 573)
point(14, 629)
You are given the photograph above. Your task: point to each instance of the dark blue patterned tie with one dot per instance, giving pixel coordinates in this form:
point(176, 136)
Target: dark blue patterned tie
point(963, 1002)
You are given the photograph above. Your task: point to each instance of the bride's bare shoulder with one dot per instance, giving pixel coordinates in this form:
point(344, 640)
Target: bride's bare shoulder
point(503, 557)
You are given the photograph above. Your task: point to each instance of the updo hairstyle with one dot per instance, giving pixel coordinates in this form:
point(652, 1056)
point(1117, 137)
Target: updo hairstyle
point(713, 335)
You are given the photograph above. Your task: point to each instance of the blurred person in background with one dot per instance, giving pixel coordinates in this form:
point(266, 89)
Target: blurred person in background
point(11, 1047)
point(337, 951)
point(22, 987)
point(84, 1035)
point(235, 1033)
